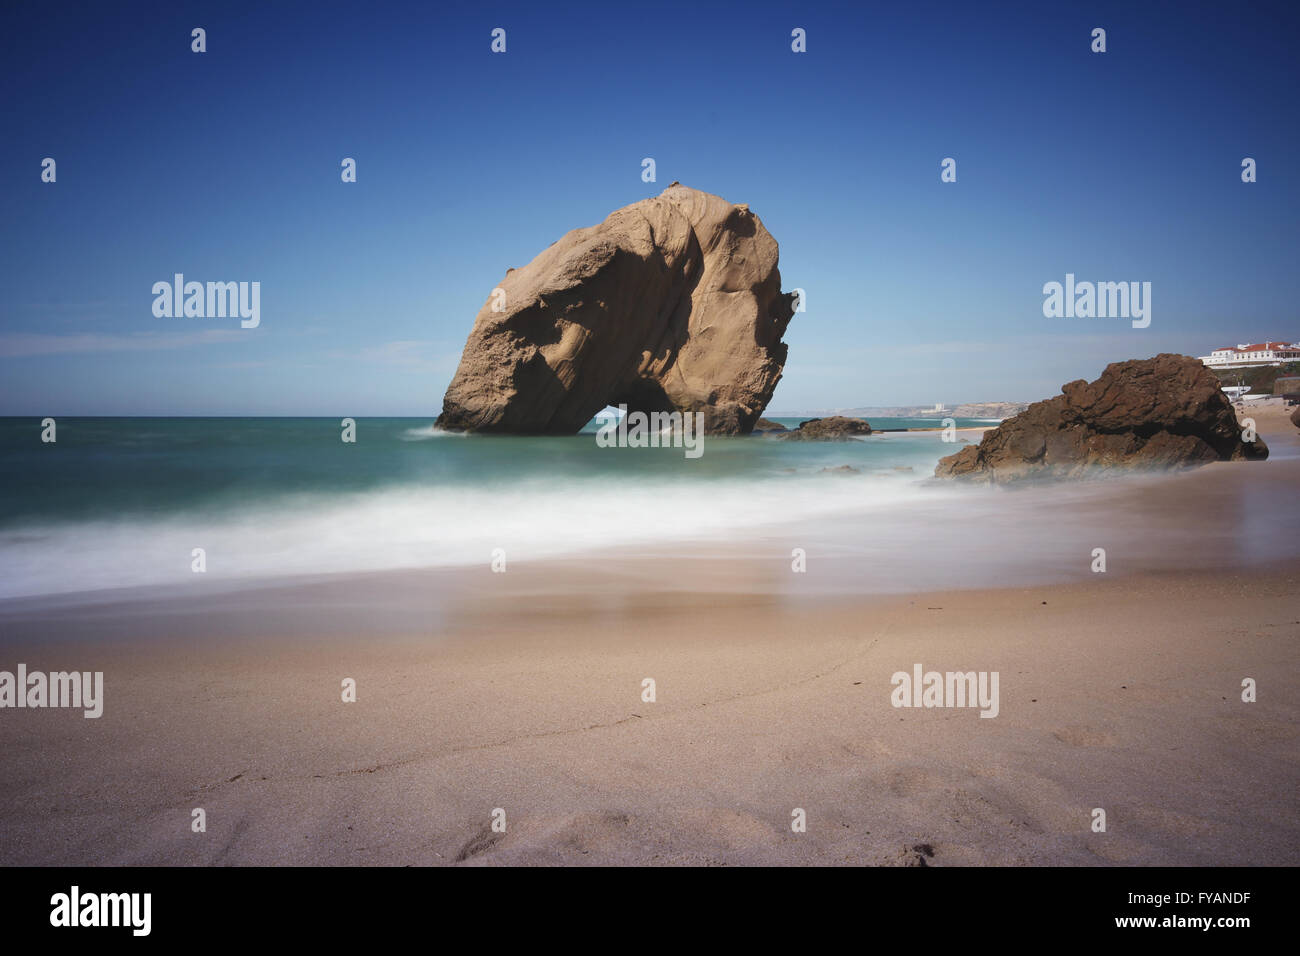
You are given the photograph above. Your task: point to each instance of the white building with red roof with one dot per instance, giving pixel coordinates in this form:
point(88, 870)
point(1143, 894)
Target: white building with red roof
point(1246, 355)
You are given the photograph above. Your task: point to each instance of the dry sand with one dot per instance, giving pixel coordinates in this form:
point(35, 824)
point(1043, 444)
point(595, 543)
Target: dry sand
point(1120, 692)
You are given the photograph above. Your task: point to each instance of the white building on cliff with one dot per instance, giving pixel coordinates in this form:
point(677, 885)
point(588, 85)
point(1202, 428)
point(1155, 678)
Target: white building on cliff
point(1245, 356)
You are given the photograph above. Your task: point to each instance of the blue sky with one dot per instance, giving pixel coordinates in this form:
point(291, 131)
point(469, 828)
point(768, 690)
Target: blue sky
point(1122, 166)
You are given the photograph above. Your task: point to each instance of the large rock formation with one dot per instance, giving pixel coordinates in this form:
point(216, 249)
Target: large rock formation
point(671, 304)
point(1164, 412)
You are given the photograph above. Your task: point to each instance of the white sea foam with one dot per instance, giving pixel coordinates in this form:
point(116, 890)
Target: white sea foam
point(430, 431)
point(875, 529)
point(418, 526)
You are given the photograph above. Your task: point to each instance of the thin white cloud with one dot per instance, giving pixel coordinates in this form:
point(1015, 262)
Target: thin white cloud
point(409, 353)
point(938, 348)
point(16, 345)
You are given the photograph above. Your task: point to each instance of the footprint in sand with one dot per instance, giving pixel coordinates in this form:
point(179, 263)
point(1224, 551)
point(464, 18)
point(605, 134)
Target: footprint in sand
point(480, 842)
point(599, 831)
point(917, 854)
point(911, 781)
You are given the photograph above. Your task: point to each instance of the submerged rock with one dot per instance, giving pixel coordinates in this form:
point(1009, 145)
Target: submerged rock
point(1163, 412)
point(671, 304)
point(835, 428)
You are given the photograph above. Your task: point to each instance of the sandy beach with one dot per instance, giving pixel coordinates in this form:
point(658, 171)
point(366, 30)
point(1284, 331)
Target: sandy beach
point(523, 692)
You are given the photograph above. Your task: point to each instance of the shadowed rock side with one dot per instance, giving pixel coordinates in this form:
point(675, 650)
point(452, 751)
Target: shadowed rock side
point(1163, 412)
point(671, 304)
point(765, 427)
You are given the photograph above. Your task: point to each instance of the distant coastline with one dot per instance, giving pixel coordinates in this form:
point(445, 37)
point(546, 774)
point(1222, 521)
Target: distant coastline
point(987, 411)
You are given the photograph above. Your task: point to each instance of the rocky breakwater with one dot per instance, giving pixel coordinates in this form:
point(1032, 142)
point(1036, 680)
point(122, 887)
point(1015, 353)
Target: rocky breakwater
point(834, 428)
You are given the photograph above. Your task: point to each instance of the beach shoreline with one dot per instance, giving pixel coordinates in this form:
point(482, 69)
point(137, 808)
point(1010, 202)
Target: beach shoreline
point(523, 692)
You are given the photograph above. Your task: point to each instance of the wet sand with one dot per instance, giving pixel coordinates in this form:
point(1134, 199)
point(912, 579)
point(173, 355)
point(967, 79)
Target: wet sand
point(523, 691)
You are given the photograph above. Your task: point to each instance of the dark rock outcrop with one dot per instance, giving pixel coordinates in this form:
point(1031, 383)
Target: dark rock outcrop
point(835, 428)
point(671, 304)
point(766, 426)
point(1163, 412)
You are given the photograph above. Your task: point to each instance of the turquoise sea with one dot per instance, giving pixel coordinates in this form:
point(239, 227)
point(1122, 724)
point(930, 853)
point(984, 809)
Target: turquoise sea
point(124, 501)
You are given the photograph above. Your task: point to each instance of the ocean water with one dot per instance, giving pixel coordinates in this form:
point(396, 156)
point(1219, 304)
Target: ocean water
point(122, 502)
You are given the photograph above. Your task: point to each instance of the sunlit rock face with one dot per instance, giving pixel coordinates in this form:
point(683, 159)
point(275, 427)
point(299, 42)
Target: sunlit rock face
point(671, 304)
